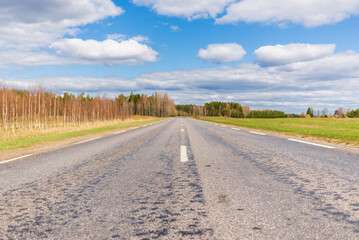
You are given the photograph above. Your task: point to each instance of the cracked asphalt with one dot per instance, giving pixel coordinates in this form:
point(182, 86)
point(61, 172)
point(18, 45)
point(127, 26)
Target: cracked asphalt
point(235, 185)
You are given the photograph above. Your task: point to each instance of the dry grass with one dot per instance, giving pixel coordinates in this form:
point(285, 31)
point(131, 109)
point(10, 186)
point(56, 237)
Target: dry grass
point(19, 134)
point(26, 139)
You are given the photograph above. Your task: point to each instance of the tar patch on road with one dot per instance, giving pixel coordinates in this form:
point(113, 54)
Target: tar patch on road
point(174, 210)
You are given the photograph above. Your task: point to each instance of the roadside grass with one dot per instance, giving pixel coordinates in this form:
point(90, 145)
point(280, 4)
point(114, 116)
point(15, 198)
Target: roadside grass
point(31, 140)
point(339, 130)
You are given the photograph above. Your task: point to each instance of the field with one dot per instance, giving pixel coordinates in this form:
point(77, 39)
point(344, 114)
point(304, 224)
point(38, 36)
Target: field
point(10, 141)
point(333, 130)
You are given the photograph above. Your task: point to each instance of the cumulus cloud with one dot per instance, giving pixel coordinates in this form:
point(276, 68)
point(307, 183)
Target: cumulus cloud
point(186, 8)
point(76, 84)
point(28, 26)
point(295, 52)
point(108, 52)
point(310, 13)
point(326, 82)
point(36, 23)
point(222, 53)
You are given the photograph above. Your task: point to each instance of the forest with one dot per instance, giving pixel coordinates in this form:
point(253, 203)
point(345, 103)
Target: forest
point(37, 108)
point(226, 109)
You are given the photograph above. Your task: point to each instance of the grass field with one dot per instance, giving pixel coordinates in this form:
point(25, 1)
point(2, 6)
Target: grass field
point(44, 137)
point(338, 130)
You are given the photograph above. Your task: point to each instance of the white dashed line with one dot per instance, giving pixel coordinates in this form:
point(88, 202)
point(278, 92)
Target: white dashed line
point(236, 129)
point(223, 126)
point(259, 133)
point(120, 132)
point(184, 157)
point(310, 143)
point(182, 130)
point(13, 159)
point(86, 140)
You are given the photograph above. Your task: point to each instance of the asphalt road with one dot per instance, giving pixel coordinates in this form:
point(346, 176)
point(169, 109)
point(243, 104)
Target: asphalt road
point(203, 182)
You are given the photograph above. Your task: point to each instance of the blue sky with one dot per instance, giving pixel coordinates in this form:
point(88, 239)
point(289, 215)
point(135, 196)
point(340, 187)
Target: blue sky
point(278, 54)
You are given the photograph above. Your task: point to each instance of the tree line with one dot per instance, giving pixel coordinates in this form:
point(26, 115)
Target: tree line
point(37, 108)
point(227, 109)
point(338, 113)
point(214, 109)
point(353, 113)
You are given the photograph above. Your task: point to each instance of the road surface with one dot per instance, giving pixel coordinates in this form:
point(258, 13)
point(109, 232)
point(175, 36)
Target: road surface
point(182, 179)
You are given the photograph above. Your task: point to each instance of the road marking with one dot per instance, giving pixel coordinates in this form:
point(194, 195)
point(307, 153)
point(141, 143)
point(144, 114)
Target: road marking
point(236, 129)
point(310, 143)
point(13, 159)
point(184, 157)
point(120, 132)
point(259, 133)
point(182, 130)
point(86, 140)
point(223, 126)
point(134, 128)
point(181, 124)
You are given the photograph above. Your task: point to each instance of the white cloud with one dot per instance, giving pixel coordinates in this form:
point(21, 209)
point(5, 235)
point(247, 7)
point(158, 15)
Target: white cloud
point(122, 37)
point(27, 26)
point(27, 58)
point(108, 52)
point(117, 37)
point(222, 53)
point(140, 38)
point(75, 84)
point(326, 82)
point(175, 28)
point(295, 52)
point(310, 13)
point(36, 23)
point(186, 8)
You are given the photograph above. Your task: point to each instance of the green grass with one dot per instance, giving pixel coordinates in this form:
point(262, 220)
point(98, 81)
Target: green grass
point(343, 130)
point(30, 141)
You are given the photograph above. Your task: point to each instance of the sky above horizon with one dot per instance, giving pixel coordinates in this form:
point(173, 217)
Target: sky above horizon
point(279, 54)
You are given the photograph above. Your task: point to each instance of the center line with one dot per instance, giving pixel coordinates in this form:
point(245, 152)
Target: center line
point(259, 133)
point(182, 130)
point(13, 159)
point(184, 157)
point(310, 143)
